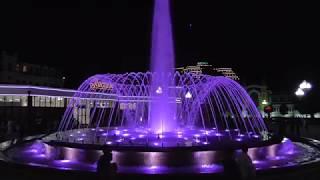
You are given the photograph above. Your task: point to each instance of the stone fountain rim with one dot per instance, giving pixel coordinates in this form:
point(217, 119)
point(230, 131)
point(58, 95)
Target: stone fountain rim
point(217, 147)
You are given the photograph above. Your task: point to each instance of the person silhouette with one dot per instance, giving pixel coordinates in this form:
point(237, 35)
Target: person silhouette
point(246, 167)
point(231, 168)
point(106, 168)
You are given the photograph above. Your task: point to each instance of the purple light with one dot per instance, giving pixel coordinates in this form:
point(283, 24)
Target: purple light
point(104, 134)
point(64, 161)
point(256, 136)
point(40, 156)
point(126, 135)
point(276, 158)
point(119, 140)
point(117, 132)
point(32, 151)
point(153, 167)
point(257, 162)
point(285, 140)
point(196, 135)
point(238, 139)
point(160, 136)
point(218, 134)
point(141, 135)
point(108, 142)
point(159, 90)
point(290, 152)
point(162, 64)
point(156, 144)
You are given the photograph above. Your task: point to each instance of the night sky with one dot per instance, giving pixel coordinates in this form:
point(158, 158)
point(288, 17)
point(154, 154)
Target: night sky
point(271, 41)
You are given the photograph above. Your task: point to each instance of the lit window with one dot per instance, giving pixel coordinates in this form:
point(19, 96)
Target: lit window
point(24, 101)
point(24, 69)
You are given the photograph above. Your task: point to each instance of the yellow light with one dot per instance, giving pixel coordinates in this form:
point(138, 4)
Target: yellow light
point(264, 102)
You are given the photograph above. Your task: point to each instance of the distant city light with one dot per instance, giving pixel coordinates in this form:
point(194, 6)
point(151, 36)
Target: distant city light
point(299, 92)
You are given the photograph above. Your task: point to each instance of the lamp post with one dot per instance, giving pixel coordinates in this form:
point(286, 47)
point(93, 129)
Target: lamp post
point(303, 89)
point(299, 92)
point(305, 85)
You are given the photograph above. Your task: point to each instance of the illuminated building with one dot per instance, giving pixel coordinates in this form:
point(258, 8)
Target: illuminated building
point(34, 105)
point(262, 96)
point(206, 68)
point(13, 71)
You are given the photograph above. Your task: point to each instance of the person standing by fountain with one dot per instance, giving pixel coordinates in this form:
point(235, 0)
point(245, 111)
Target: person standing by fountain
point(231, 168)
point(238, 165)
point(246, 167)
point(105, 168)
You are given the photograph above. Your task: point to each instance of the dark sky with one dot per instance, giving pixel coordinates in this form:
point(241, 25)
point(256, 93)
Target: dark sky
point(275, 41)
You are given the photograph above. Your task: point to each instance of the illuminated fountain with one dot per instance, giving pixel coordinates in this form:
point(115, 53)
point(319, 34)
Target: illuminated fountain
point(204, 110)
point(161, 121)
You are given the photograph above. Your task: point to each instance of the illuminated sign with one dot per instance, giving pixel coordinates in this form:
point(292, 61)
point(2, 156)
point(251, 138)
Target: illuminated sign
point(98, 85)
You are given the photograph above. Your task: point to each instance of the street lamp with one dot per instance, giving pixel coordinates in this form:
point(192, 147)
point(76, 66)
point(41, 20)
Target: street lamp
point(264, 102)
point(305, 85)
point(299, 92)
point(303, 88)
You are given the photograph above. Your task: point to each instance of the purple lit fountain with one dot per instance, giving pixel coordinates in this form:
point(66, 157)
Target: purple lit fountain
point(162, 109)
point(161, 121)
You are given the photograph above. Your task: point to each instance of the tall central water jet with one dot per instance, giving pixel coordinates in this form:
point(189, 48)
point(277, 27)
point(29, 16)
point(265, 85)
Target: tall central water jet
point(162, 107)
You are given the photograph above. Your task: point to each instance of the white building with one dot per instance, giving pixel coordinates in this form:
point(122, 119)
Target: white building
point(206, 68)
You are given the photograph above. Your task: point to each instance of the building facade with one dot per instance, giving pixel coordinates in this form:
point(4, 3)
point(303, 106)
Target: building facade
point(206, 68)
point(43, 108)
point(13, 71)
point(262, 96)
